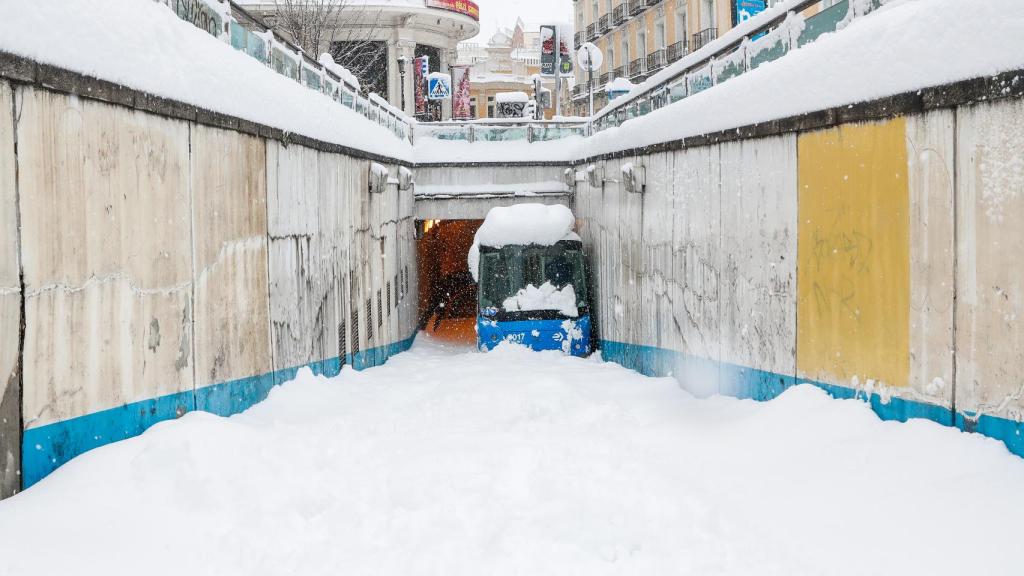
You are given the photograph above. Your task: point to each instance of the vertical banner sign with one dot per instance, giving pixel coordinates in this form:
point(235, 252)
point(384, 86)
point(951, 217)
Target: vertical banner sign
point(421, 70)
point(460, 98)
point(747, 9)
point(547, 50)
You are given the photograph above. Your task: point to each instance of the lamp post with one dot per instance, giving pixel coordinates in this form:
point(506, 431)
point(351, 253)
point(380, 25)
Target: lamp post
point(402, 62)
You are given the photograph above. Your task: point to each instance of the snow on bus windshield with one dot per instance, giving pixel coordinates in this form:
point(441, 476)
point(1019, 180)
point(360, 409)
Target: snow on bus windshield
point(504, 272)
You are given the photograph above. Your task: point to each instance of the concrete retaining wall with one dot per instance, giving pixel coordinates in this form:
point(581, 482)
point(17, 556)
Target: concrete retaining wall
point(877, 259)
point(170, 266)
point(10, 305)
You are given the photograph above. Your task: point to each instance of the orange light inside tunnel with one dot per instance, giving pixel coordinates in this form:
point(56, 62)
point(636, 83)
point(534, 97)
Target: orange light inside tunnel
point(447, 300)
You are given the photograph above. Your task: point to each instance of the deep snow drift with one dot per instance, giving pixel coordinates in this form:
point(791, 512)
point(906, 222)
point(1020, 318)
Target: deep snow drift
point(517, 462)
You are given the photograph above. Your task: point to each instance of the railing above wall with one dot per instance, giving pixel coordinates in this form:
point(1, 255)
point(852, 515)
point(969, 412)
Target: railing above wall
point(510, 130)
point(740, 50)
point(233, 25)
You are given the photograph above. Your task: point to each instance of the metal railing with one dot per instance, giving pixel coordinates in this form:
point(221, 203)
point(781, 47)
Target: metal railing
point(675, 51)
point(604, 23)
point(620, 13)
point(703, 37)
point(637, 68)
point(592, 31)
point(656, 60)
point(620, 72)
point(736, 53)
point(578, 38)
point(510, 130)
point(636, 7)
point(248, 34)
point(603, 79)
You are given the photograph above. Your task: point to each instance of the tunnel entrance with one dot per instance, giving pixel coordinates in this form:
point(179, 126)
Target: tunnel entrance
point(447, 298)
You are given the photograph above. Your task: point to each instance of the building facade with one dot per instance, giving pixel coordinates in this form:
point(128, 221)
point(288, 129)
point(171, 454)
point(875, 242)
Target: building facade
point(507, 63)
point(378, 39)
point(640, 37)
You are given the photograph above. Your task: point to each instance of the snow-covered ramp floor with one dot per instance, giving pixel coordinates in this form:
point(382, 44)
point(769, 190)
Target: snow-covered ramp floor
point(448, 462)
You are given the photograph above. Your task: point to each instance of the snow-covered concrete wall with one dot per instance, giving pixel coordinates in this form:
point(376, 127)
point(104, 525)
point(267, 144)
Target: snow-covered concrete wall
point(10, 305)
point(230, 303)
point(171, 265)
point(877, 258)
point(990, 268)
point(466, 192)
point(105, 207)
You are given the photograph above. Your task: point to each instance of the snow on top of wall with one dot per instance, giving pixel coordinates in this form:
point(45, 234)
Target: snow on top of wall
point(906, 45)
point(327, 61)
point(522, 224)
point(546, 187)
point(141, 44)
point(619, 84)
point(431, 150)
point(511, 97)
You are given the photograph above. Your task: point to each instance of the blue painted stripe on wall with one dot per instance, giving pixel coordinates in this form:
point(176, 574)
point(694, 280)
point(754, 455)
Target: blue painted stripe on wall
point(46, 448)
point(744, 382)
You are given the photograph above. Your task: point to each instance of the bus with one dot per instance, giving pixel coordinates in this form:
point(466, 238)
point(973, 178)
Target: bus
point(535, 295)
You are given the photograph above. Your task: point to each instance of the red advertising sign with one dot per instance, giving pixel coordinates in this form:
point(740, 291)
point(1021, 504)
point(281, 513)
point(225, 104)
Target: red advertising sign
point(461, 6)
point(461, 105)
point(419, 82)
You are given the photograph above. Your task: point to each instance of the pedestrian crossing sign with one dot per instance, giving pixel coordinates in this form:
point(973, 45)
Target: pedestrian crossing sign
point(439, 86)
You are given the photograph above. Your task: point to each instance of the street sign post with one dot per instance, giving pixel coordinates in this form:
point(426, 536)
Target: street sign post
point(590, 58)
point(439, 86)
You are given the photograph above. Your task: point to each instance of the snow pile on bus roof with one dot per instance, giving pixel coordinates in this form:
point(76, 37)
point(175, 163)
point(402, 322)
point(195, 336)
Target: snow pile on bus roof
point(522, 224)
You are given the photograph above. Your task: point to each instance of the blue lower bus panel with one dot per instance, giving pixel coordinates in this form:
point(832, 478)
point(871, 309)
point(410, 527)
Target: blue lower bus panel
point(571, 336)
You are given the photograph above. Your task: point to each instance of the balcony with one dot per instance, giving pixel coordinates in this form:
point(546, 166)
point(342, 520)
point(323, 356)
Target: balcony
point(602, 81)
point(592, 31)
point(703, 37)
point(620, 13)
point(637, 69)
point(637, 6)
point(604, 23)
point(579, 91)
point(675, 51)
point(656, 60)
point(578, 38)
point(620, 72)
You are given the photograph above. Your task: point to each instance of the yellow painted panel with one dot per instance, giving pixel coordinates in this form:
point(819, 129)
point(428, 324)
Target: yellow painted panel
point(853, 250)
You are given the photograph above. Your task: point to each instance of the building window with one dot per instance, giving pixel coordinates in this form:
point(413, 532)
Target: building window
point(659, 35)
point(608, 7)
point(625, 49)
point(707, 14)
point(610, 64)
point(490, 106)
point(641, 42)
point(472, 107)
point(681, 31)
point(593, 11)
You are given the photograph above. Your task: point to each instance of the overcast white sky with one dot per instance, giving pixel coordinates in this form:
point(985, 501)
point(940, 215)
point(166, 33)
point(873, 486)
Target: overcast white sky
point(494, 13)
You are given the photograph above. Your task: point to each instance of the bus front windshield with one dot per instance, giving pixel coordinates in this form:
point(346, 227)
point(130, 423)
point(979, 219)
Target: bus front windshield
point(506, 271)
